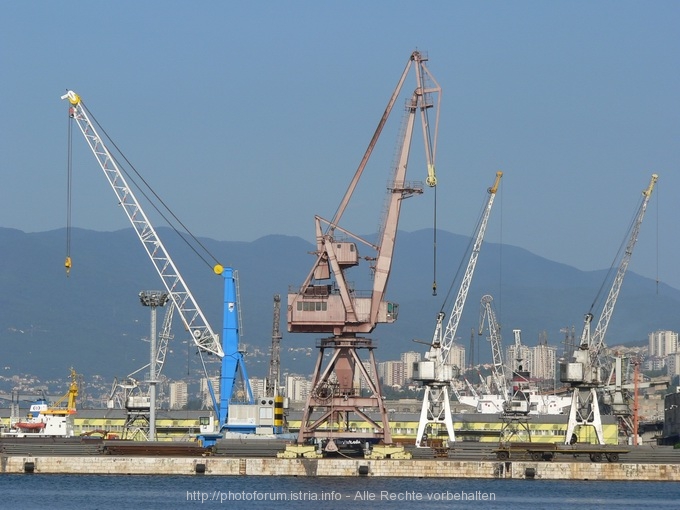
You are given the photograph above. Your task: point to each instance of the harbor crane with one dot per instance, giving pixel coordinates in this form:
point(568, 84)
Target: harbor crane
point(436, 373)
point(193, 318)
point(487, 314)
point(585, 371)
point(328, 303)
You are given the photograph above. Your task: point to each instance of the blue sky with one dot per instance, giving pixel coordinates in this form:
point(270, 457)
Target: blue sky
point(249, 118)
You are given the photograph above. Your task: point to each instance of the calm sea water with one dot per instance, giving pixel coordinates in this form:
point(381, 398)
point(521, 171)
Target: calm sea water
point(69, 492)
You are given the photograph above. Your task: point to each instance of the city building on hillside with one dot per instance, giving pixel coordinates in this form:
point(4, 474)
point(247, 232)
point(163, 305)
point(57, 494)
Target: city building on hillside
point(392, 373)
point(408, 359)
point(179, 395)
point(673, 364)
point(258, 387)
point(297, 388)
point(655, 362)
point(457, 356)
point(543, 362)
point(663, 343)
point(359, 381)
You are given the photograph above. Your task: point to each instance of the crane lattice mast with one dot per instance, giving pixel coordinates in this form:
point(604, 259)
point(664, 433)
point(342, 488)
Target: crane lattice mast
point(488, 314)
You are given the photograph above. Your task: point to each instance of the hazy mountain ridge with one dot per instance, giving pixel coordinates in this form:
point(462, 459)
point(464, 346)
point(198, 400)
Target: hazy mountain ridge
point(93, 319)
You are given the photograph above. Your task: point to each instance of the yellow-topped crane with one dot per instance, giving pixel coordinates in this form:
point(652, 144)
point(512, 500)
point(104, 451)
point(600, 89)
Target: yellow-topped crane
point(585, 371)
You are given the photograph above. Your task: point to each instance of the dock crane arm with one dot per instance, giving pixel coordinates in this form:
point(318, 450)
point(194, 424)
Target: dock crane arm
point(597, 341)
point(193, 318)
point(446, 341)
point(595, 344)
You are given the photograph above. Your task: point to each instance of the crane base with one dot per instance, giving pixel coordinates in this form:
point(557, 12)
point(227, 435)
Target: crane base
point(294, 451)
point(387, 452)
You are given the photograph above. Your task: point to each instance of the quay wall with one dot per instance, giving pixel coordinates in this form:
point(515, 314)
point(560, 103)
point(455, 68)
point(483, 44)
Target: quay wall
point(412, 468)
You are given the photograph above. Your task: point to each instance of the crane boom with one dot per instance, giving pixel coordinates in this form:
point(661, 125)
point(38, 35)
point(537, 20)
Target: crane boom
point(452, 326)
point(190, 313)
point(597, 341)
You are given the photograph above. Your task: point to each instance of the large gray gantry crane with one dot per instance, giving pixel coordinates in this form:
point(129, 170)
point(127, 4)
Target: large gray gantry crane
point(585, 371)
point(327, 301)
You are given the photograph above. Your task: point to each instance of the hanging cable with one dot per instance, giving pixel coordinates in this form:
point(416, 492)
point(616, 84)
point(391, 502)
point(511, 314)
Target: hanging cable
point(657, 243)
point(614, 266)
point(69, 180)
point(500, 262)
point(434, 247)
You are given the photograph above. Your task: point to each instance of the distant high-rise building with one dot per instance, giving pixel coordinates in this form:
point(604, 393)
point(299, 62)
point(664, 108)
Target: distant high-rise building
point(543, 362)
point(257, 385)
point(409, 358)
point(457, 356)
point(359, 381)
point(392, 373)
point(297, 388)
point(663, 343)
point(673, 364)
point(179, 395)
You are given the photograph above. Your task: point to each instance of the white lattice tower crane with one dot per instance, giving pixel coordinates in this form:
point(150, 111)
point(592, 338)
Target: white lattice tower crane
point(585, 371)
point(487, 314)
point(435, 372)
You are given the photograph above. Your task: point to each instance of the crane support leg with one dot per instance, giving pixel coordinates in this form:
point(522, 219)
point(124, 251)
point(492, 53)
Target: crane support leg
point(584, 413)
point(338, 399)
point(436, 411)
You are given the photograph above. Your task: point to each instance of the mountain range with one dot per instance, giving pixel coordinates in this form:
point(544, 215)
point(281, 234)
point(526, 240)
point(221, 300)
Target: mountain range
point(93, 320)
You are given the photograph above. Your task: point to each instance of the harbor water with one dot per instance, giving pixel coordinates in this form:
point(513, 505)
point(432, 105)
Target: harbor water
point(104, 492)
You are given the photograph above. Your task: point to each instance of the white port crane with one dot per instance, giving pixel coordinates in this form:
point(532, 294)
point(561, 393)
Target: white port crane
point(585, 370)
point(488, 314)
point(436, 372)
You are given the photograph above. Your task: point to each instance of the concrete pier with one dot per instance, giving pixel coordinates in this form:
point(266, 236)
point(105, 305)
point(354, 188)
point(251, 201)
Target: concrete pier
point(412, 468)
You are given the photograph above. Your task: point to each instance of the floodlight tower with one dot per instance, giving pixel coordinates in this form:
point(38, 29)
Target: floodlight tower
point(153, 299)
